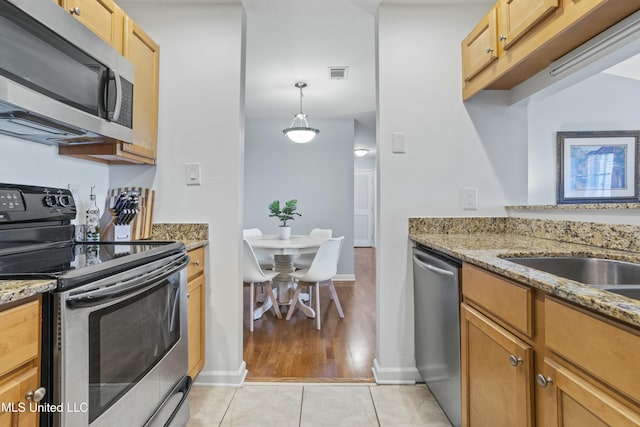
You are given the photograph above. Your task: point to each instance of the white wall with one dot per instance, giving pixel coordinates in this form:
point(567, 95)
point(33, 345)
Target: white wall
point(602, 102)
point(201, 117)
point(32, 163)
point(449, 145)
point(318, 174)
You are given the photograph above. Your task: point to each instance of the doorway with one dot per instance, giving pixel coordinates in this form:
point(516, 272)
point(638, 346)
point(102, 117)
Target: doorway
point(342, 351)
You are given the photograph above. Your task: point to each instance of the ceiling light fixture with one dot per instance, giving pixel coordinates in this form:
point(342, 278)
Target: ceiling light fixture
point(360, 152)
point(301, 133)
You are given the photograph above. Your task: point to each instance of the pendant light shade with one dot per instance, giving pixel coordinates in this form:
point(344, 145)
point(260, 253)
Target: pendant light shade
point(299, 130)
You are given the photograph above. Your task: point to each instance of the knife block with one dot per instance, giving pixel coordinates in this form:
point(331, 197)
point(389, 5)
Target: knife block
point(110, 232)
point(140, 225)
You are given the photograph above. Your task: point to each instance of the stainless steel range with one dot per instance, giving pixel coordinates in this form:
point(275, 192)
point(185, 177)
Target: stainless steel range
point(115, 330)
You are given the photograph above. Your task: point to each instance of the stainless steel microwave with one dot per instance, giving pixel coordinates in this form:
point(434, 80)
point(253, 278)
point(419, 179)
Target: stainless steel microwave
point(59, 82)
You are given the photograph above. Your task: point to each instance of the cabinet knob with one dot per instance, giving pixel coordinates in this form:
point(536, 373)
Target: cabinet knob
point(36, 396)
point(502, 37)
point(75, 11)
point(197, 262)
point(489, 50)
point(543, 381)
point(515, 361)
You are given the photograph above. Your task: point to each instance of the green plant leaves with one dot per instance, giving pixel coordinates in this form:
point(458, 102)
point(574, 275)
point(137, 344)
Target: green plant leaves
point(286, 213)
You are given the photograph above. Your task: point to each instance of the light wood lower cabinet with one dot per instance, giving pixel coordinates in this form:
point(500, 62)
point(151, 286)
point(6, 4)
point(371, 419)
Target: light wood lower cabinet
point(555, 364)
point(19, 363)
point(196, 311)
point(497, 374)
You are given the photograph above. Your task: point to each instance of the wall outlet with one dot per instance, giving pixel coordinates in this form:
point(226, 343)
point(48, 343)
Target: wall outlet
point(193, 173)
point(470, 198)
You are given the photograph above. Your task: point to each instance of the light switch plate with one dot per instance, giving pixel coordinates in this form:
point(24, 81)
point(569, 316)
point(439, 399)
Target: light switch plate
point(193, 173)
point(397, 142)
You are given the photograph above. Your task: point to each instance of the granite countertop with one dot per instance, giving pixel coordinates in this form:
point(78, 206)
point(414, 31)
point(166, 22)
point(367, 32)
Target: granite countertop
point(486, 250)
point(15, 290)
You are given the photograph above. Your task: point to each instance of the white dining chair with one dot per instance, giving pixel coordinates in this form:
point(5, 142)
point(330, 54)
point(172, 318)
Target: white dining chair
point(321, 273)
point(305, 260)
point(265, 261)
point(252, 276)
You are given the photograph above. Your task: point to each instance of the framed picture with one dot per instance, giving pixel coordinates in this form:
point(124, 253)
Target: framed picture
point(598, 167)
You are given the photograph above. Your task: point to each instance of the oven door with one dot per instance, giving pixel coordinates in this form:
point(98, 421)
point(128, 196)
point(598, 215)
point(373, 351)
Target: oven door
point(121, 346)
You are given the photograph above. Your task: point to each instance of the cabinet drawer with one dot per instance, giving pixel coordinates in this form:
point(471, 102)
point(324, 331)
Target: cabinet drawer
point(508, 302)
point(196, 264)
point(19, 335)
point(609, 352)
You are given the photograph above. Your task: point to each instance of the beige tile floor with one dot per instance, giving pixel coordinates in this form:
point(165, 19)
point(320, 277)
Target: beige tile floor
point(310, 405)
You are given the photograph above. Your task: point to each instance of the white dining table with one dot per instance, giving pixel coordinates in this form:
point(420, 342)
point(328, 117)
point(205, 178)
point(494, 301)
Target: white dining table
point(284, 253)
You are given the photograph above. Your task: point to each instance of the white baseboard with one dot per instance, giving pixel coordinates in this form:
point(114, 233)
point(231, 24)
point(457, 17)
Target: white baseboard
point(344, 278)
point(223, 378)
point(395, 375)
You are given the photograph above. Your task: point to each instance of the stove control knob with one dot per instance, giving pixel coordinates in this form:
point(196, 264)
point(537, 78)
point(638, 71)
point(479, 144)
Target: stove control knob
point(50, 200)
point(64, 200)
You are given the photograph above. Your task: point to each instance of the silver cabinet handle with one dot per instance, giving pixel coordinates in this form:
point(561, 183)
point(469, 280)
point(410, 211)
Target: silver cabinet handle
point(197, 262)
point(489, 50)
point(36, 396)
point(515, 361)
point(75, 11)
point(502, 37)
point(543, 381)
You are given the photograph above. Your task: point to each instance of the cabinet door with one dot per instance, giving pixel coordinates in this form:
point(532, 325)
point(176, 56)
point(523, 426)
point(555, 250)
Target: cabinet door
point(195, 316)
point(10, 398)
point(577, 403)
point(144, 53)
point(102, 17)
point(519, 16)
point(480, 47)
point(496, 374)
point(16, 410)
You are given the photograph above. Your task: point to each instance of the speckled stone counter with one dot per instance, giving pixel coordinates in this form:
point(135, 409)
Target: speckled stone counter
point(484, 243)
point(15, 290)
point(193, 236)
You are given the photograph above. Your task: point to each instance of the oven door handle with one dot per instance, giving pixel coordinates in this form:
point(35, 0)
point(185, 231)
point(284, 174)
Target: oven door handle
point(121, 289)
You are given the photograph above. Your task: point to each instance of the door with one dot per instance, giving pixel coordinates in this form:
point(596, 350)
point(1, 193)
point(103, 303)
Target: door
point(363, 205)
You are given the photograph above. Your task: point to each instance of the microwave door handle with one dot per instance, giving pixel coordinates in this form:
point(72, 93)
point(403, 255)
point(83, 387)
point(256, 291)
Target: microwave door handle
point(118, 106)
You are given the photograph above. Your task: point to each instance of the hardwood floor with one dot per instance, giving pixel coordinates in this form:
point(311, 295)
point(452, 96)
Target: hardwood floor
point(342, 351)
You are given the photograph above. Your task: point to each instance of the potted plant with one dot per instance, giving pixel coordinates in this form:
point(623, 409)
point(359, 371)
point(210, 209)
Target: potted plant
point(284, 214)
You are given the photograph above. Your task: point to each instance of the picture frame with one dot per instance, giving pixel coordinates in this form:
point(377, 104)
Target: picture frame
point(598, 166)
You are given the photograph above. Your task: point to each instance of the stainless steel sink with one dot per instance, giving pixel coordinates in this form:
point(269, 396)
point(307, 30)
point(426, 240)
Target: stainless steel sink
point(619, 277)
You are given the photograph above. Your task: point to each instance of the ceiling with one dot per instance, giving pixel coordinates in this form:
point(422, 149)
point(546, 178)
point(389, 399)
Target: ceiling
point(298, 40)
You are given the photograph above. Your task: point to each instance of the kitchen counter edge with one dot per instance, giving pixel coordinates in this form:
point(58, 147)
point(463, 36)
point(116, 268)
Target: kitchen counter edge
point(488, 250)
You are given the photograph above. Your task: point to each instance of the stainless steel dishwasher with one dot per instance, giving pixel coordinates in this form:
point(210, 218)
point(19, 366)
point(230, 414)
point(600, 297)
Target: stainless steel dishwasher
point(437, 327)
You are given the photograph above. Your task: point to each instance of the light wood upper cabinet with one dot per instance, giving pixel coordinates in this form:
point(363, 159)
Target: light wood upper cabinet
point(480, 47)
point(531, 34)
point(108, 20)
point(498, 364)
point(103, 17)
point(144, 53)
point(519, 16)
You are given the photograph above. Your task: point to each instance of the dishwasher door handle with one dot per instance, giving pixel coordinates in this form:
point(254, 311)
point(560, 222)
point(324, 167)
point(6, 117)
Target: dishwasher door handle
point(432, 268)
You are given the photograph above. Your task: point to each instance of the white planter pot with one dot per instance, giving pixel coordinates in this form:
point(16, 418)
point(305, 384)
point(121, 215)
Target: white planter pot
point(284, 233)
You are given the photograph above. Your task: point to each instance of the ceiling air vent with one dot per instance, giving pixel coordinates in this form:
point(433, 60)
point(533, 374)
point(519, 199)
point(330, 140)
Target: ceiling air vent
point(338, 73)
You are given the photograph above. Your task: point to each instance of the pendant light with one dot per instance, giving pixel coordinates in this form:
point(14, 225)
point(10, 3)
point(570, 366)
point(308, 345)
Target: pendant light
point(301, 133)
